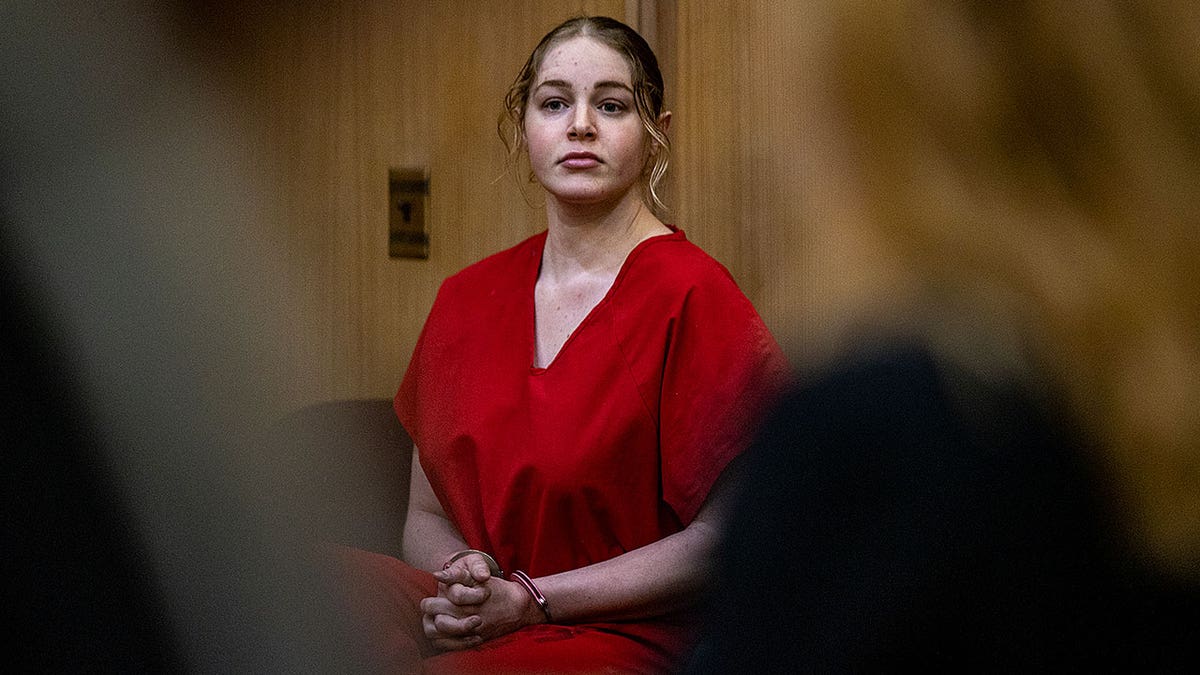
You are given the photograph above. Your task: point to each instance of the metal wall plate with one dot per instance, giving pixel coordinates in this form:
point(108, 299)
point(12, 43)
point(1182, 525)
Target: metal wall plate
point(408, 213)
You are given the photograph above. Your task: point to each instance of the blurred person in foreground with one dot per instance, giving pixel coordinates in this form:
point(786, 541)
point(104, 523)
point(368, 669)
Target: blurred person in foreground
point(148, 526)
point(992, 463)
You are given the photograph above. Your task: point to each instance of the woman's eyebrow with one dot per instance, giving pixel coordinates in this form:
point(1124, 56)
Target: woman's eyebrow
point(613, 84)
point(604, 84)
point(555, 84)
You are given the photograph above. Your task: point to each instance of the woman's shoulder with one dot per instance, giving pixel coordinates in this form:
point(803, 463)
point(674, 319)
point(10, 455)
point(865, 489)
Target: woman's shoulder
point(673, 261)
point(507, 267)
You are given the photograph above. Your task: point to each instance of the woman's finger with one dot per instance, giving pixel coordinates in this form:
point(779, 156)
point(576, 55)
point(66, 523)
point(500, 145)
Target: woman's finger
point(466, 595)
point(437, 626)
point(440, 605)
point(455, 574)
point(478, 568)
point(452, 626)
point(469, 570)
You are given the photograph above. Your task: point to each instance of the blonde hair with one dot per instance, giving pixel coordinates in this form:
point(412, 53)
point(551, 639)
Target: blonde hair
point(647, 84)
point(1034, 166)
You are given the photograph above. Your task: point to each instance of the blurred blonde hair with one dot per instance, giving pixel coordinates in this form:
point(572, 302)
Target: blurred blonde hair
point(1033, 167)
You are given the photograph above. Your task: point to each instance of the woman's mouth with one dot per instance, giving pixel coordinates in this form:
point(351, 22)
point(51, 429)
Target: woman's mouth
point(579, 160)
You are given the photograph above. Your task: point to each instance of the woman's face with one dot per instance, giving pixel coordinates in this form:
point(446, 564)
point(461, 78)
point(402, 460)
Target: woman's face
point(586, 142)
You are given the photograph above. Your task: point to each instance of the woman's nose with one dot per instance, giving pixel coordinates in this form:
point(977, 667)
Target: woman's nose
point(582, 125)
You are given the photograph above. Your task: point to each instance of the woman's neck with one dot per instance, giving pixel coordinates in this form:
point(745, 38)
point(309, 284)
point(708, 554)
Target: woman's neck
point(595, 238)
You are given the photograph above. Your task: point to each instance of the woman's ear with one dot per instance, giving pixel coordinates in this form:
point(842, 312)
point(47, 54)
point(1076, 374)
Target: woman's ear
point(663, 123)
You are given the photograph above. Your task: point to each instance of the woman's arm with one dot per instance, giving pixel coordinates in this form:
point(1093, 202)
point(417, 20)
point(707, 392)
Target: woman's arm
point(430, 539)
point(655, 579)
point(429, 536)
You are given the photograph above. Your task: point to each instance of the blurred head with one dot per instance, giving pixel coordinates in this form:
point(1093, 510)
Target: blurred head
point(646, 80)
point(1025, 174)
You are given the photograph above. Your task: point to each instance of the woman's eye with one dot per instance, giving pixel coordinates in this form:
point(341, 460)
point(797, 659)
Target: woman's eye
point(554, 105)
point(611, 107)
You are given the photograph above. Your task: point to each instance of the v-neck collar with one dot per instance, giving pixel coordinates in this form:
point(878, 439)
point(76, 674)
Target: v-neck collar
point(675, 234)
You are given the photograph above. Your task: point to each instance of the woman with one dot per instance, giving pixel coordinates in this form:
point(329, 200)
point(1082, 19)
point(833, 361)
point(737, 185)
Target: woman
point(574, 400)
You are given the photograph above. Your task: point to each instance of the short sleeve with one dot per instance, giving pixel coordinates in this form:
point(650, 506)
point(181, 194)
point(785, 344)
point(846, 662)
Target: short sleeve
point(723, 370)
point(419, 377)
point(406, 398)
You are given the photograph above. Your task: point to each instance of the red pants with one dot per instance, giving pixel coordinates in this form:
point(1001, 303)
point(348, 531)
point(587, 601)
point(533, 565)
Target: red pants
point(384, 599)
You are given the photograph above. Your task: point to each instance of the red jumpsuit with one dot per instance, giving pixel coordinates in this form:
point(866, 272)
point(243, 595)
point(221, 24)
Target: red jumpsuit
point(612, 446)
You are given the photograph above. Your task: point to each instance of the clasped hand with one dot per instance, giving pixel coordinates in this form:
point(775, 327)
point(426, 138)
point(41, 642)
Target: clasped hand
point(472, 606)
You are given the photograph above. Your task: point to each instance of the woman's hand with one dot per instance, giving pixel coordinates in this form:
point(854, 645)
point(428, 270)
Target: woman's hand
point(464, 616)
point(450, 627)
point(450, 622)
point(470, 570)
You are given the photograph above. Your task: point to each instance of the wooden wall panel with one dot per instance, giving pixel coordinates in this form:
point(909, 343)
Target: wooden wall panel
point(725, 131)
point(743, 152)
